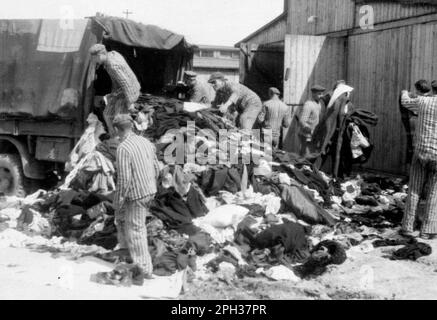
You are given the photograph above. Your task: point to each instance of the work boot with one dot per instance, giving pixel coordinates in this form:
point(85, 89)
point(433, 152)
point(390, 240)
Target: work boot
point(148, 276)
point(408, 234)
point(137, 276)
point(119, 256)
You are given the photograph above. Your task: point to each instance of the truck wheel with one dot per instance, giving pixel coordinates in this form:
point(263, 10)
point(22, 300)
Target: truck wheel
point(11, 175)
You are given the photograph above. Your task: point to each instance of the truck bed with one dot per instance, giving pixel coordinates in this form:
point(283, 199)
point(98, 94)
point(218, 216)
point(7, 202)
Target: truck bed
point(40, 127)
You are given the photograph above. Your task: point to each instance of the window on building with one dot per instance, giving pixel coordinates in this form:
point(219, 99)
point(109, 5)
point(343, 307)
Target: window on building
point(197, 53)
point(207, 54)
point(235, 55)
point(226, 54)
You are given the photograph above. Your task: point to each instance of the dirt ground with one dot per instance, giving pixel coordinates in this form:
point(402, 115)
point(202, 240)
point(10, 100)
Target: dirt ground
point(363, 276)
point(25, 274)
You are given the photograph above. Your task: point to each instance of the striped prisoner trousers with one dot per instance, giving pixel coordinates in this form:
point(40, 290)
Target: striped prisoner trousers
point(421, 174)
point(132, 232)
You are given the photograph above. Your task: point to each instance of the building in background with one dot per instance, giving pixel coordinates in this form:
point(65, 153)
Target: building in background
point(321, 41)
point(262, 57)
point(209, 59)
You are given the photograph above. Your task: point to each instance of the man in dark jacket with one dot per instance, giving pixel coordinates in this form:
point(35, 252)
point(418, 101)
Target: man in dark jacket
point(310, 116)
point(277, 116)
point(229, 94)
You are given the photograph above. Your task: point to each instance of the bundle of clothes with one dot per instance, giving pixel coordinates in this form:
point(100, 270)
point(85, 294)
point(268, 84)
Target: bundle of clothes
point(91, 165)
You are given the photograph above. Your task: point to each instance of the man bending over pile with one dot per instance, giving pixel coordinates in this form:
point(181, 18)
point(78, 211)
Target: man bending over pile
point(125, 86)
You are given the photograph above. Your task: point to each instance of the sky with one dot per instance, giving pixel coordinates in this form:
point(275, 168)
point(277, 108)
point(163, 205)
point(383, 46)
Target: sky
point(211, 22)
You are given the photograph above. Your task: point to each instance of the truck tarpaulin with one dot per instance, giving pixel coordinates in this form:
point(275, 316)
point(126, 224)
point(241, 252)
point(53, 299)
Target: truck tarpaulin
point(157, 56)
point(140, 35)
point(43, 67)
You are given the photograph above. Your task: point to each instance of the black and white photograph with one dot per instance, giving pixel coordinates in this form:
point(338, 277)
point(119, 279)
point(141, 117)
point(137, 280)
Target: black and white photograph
point(218, 156)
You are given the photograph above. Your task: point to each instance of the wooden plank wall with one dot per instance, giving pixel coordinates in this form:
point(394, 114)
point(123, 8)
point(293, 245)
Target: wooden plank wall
point(302, 55)
point(310, 60)
point(298, 13)
point(424, 52)
point(380, 65)
point(274, 33)
point(339, 15)
point(332, 15)
point(379, 69)
point(389, 11)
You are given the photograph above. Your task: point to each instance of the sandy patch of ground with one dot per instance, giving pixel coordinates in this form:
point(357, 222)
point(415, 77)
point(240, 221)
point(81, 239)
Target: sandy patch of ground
point(363, 276)
point(25, 274)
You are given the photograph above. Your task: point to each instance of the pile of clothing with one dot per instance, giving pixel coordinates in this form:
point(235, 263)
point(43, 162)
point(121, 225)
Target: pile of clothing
point(85, 216)
point(375, 199)
point(353, 146)
point(278, 212)
point(92, 161)
point(179, 200)
point(412, 249)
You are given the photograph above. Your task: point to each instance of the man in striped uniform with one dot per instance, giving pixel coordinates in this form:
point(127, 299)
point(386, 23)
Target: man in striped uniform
point(277, 115)
point(125, 86)
point(423, 168)
point(409, 114)
point(137, 174)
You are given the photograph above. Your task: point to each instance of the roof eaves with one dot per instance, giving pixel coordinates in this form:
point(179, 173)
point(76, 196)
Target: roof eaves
point(277, 19)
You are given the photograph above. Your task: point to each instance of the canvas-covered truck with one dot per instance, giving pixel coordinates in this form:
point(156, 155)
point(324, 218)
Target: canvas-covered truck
point(48, 85)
